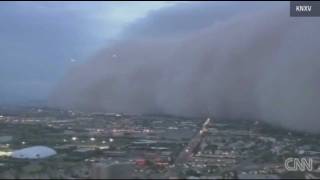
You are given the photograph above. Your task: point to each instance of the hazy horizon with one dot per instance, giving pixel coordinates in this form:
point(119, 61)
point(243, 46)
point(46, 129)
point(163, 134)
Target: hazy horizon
point(246, 60)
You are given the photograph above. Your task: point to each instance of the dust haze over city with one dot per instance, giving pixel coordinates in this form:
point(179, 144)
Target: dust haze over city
point(258, 64)
point(163, 89)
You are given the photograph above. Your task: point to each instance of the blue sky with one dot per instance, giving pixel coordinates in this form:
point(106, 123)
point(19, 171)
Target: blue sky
point(40, 41)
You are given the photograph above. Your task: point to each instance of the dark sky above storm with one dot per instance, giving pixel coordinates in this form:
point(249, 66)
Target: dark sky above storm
point(228, 59)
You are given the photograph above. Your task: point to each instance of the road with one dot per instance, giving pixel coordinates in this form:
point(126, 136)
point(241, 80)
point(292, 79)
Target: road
point(188, 151)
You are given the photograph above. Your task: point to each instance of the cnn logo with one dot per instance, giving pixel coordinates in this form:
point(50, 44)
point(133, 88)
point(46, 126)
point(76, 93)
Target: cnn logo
point(298, 164)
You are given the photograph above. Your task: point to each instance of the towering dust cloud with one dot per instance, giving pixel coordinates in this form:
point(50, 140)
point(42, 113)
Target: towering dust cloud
point(261, 65)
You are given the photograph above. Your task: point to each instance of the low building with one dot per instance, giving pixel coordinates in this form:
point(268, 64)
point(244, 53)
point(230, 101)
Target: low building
point(34, 152)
